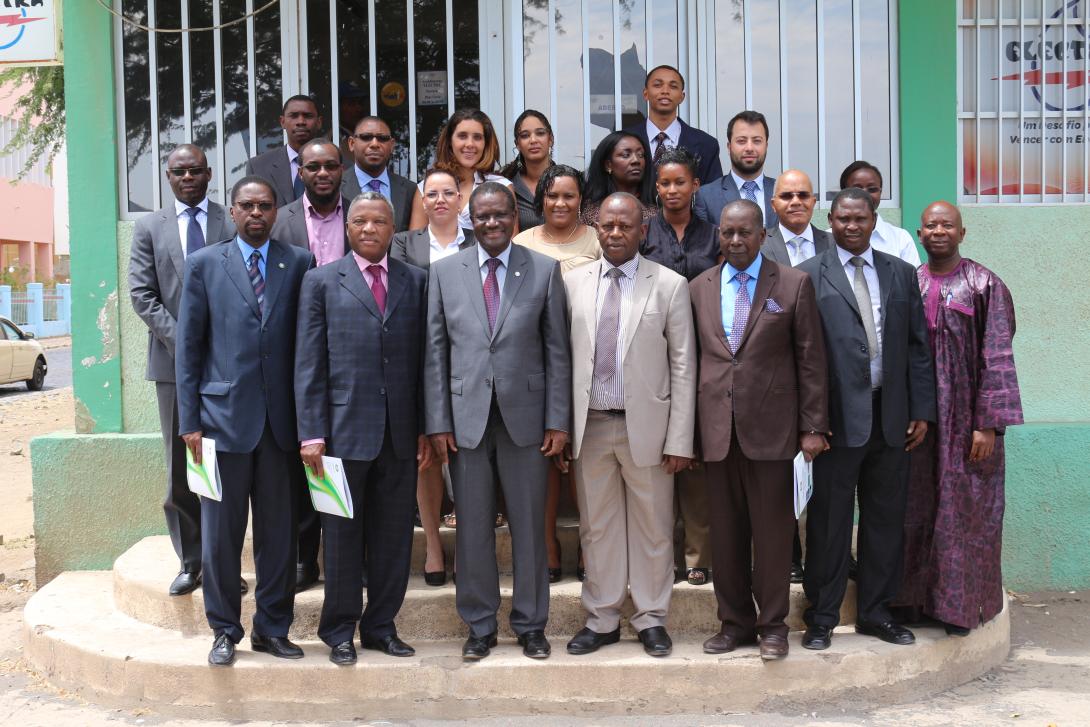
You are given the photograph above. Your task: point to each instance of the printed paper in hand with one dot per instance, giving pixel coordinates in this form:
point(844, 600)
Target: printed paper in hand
point(804, 483)
point(204, 478)
point(329, 493)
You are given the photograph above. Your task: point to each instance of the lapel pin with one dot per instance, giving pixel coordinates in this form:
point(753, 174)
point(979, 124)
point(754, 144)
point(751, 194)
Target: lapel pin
point(517, 273)
point(280, 265)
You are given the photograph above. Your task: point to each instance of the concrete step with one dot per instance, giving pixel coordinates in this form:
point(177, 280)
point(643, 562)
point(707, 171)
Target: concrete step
point(78, 641)
point(141, 577)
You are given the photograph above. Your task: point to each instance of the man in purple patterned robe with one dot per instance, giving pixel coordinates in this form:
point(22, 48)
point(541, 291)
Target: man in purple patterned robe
point(954, 522)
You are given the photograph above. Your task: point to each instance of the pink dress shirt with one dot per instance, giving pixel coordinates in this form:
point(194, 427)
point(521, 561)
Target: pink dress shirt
point(326, 234)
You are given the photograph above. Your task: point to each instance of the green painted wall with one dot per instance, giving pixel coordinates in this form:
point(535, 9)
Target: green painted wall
point(93, 212)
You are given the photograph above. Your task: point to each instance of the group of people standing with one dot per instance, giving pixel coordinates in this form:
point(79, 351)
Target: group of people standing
point(662, 336)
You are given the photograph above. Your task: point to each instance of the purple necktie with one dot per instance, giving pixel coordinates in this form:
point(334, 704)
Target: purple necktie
point(492, 292)
point(377, 288)
point(660, 148)
point(375, 185)
point(741, 311)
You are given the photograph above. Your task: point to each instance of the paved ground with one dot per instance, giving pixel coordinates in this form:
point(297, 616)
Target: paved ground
point(58, 356)
point(1045, 682)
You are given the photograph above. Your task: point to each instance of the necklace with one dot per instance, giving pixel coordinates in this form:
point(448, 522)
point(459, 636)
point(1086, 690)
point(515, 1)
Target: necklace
point(552, 240)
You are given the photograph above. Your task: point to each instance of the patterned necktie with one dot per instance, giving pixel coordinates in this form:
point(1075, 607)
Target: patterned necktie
point(609, 326)
point(660, 140)
point(492, 292)
point(257, 280)
point(741, 311)
point(297, 185)
point(377, 288)
point(749, 190)
point(862, 299)
point(375, 185)
point(194, 235)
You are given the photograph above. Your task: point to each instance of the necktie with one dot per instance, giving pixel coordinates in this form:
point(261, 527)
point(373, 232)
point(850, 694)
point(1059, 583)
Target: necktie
point(749, 190)
point(492, 292)
point(194, 236)
point(660, 140)
point(862, 299)
point(377, 288)
point(375, 185)
point(297, 185)
point(741, 311)
point(609, 325)
point(257, 280)
point(796, 245)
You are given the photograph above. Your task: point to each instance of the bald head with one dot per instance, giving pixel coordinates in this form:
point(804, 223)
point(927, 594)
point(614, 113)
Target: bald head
point(187, 149)
point(942, 207)
point(621, 229)
point(793, 199)
point(743, 209)
point(941, 232)
point(625, 202)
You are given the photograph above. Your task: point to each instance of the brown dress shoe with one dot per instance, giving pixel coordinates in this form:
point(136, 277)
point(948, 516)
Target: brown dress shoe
point(773, 647)
point(723, 643)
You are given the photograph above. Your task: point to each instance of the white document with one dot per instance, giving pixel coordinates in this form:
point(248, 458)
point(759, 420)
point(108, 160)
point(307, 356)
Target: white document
point(204, 478)
point(804, 482)
point(330, 493)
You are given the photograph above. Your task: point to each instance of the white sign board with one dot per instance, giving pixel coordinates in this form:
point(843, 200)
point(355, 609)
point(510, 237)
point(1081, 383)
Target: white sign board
point(431, 88)
point(29, 32)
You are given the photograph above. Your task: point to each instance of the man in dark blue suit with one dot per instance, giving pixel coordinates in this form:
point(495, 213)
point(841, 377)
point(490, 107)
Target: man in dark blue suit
point(358, 367)
point(747, 144)
point(664, 90)
point(234, 370)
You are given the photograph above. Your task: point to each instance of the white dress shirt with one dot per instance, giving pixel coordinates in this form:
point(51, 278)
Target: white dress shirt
point(870, 274)
point(438, 252)
point(609, 394)
point(501, 269)
point(183, 223)
point(673, 134)
point(760, 182)
point(894, 241)
point(805, 250)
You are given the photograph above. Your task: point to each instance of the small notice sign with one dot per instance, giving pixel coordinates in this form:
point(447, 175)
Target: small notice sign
point(30, 33)
point(431, 88)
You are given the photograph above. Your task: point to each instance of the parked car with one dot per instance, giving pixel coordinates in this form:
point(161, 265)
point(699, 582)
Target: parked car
point(21, 357)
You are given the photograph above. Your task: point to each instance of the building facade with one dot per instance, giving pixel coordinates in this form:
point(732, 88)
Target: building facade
point(839, 80)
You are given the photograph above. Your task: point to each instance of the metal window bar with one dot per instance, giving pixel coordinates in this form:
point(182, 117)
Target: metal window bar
point(411, 55)
point(710, 97)
point(49, 307)
point(187, 74)
point(1085, 189)
point(748, 53)
point(334, 76)
point(119, 83)
point(153, 97)
point(681, 10)
point(251, 64)
point(819, 8)
point(1044, 136)
point(586, 82)
point(785, 135)
point(217, 60)
point(893, 187)
point(617, 99)
point(1063, 107)
point(976, 94)
point(648, 34)
point(372, 56)
point(553, 83)
point(857, 77)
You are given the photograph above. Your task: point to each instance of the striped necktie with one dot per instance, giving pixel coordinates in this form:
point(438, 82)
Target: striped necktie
point(257, 280)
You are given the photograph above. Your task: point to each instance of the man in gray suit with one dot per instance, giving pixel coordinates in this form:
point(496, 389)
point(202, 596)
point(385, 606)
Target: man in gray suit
point(747, 143)
point(160, 244)
point(498, 398)
point(372, 146)
point(301, 120)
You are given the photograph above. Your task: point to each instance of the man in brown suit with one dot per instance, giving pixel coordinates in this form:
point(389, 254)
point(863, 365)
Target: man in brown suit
point(761, 398)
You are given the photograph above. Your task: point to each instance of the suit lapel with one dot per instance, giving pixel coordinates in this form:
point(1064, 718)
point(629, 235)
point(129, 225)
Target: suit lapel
point(516, 273)
point(282, 172)
point(641, 293)
point(883, 267)
point(419, 246)
point(215, 223)
point(395, 287)
point(274, 276)
point(297, 222)
point(713, 306)
point(822, 240)
point(833, 271)
point(587, 300)
point(766, 280)
point(778, 247)
point(236, 271)
point(471, 277)
point(352, 281)
point(171, 239)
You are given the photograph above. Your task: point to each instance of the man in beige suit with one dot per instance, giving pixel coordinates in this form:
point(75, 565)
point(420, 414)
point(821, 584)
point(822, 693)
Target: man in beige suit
point(634, 401)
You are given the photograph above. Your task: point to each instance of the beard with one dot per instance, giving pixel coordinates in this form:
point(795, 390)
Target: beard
point(745, 167)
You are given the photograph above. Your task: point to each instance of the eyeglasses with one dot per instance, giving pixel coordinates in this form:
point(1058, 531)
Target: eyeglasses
point(368, 138)
point(788, 196)
point(314, 167)
point(249, 206)
point(434, 195)
point(179, 172)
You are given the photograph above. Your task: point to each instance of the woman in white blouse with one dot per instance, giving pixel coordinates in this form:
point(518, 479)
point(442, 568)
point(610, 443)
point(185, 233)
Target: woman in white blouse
point(885, 238)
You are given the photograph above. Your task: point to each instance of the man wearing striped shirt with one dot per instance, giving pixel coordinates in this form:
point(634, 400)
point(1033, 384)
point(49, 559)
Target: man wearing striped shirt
point(634, 399)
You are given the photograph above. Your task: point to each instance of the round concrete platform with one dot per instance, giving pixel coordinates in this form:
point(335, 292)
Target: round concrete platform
point(80, 641)
point(142, 574)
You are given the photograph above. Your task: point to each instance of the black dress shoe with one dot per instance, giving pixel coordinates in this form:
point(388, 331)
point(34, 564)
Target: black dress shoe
point(587, 641)
point(278, 646)
point(797, 573)
point(817, 638)
point(535, 645)
point(435, 578)
point(243, 586)
point(656, 642)
point(306, 575)
point(185, 583)
point(555, 575)
point(223, 651)
point(343, 654)
point(887, 631)
point(478, 647)
point(390, 645)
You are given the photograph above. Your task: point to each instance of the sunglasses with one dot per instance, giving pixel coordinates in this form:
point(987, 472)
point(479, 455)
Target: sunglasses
point(249, 206)
point(314, 167)
point(788, 196)
point(368, 138)
point(179, 172)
